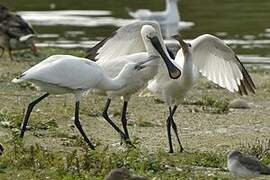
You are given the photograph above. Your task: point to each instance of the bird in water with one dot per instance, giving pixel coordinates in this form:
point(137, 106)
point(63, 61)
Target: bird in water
point(15, 33)
point(244, 166)
point(61, 74)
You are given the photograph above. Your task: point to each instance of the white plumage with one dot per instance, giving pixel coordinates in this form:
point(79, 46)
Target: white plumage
point(60, 74)
point(168, 19)
point(135, 42)
point(213, 59)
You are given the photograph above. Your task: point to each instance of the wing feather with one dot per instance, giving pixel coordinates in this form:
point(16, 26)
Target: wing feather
point(65, 71)
point(124, 41)
point(218, 63)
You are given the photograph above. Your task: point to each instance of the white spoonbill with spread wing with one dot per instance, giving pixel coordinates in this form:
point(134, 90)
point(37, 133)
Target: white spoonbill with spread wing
point(61, 74)
point(115, 51)
point(213, 59)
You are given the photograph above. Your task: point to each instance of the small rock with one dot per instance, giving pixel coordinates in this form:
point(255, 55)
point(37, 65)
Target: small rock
point(5, 124)
point(239, 104)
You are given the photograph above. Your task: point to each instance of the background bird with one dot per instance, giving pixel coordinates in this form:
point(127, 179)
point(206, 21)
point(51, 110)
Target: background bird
point(61, 74)
point(245, 166)
point(148, 43)
point(122, 174)
point(168, 19)
point(213, 59)
point(15, 32)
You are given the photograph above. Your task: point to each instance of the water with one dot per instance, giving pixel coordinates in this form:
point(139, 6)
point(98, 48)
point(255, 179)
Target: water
point(243, 24)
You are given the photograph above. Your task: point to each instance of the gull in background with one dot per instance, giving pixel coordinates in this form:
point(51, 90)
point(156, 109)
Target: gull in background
point(206, 55)
point(245, 166)
point(131, 43)
point(168, 19)
point(61, 74)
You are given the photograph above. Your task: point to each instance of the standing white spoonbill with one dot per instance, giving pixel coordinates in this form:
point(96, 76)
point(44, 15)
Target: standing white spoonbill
point(61, 74)
point(213, 59)
point(148, 44)
point(168, 19)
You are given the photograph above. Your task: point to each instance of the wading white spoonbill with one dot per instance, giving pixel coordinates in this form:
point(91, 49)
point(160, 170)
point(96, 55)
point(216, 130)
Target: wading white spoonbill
point(15, 32)
point(61, 74)
point(213, 59)
point(112, 54)
point(168, 19)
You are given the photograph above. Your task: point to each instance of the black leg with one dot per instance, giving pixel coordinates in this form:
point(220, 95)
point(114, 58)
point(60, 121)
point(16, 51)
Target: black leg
point(28, 112)
point(124, 118)
point(107, 118)
point(10, 54)
point(79, 127)
point(174, 126)
point(168, 122)
point(2, 51)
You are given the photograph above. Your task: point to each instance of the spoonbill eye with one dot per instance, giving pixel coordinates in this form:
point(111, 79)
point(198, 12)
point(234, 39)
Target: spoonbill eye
point(189, 45)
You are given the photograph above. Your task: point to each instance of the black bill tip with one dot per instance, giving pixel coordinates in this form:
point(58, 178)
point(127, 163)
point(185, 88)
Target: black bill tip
point(174, 72)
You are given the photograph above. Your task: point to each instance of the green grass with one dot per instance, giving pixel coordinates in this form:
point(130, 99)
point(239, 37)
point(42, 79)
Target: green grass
point(53, 149)
point(82, 163)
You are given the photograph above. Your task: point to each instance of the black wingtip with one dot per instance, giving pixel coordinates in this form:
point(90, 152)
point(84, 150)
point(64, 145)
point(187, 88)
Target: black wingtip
point(246, 84)
point(93, 52)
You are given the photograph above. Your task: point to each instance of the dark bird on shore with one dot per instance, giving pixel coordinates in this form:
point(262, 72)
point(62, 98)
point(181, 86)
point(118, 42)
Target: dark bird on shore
point(15, 32)
point(122, 174)
point(245, 166)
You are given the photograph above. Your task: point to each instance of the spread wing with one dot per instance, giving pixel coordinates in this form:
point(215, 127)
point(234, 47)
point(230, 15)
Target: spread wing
point(126, 40)
point(218, 63)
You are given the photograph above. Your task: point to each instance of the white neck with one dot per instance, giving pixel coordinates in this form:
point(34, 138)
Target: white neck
point(172, 11)
point(188, 64)
point(171, 5)
point(116, 83)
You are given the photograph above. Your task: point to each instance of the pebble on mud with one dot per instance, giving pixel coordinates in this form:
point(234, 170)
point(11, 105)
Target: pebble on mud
point(239, 103)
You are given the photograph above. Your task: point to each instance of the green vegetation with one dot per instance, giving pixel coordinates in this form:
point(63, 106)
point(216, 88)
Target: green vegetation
point(53, 149)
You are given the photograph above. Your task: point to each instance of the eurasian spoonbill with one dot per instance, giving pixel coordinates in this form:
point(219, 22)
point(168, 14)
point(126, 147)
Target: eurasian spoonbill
point(61, 74)
point(115, 51)
point(213, 59)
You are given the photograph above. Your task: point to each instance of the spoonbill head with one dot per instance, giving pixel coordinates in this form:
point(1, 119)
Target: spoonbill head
point(139, 41)
point(60, 74)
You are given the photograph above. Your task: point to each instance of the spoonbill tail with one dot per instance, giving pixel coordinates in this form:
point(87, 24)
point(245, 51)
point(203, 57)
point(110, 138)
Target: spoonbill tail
point(168, 19)
point(61, 74)
point(211, 57)
point(132, 43)
point(15, 32)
